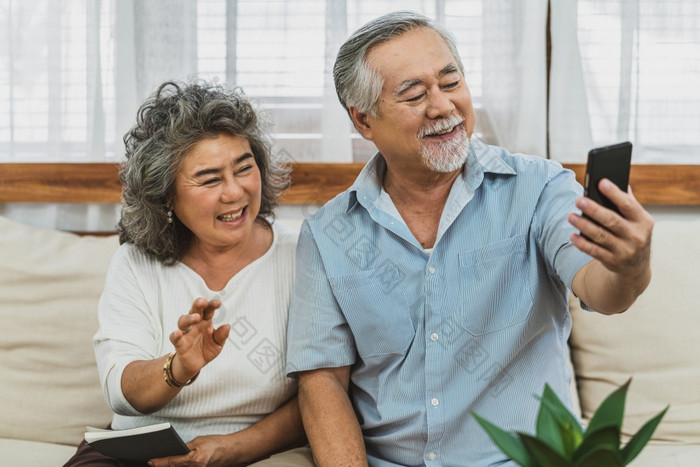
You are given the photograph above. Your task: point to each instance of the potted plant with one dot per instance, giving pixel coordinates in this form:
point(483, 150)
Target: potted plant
point(560, 440)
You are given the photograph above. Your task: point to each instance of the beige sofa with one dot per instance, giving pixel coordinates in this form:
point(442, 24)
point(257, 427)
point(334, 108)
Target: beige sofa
point(657, 343)
point(50, 283)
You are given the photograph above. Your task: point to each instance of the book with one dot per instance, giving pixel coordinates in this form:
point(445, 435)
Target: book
point(135, 446)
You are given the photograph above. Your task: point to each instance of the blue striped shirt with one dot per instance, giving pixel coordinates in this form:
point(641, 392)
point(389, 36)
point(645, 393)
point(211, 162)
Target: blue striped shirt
point(478, 324)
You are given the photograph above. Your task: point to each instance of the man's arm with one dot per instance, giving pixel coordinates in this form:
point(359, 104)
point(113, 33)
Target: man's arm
point(329, 419)
point(620, 246)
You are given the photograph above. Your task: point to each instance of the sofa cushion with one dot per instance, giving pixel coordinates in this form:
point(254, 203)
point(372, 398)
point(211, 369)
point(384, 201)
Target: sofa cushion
point(19, 453)
point(667, 455)
point(50, 283)
point(655, 342)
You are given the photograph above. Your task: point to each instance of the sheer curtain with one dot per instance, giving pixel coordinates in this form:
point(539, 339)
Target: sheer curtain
point(626, 70)
point(73, 72)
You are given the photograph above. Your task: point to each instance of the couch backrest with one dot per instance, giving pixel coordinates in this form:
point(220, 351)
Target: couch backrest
point(50, 283)
point(655, 342)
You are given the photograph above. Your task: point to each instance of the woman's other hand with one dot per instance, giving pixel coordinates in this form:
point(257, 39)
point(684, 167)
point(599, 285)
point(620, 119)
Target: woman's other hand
point(203, 452)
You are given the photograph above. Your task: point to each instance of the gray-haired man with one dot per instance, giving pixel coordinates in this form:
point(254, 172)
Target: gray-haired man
point(437, 284)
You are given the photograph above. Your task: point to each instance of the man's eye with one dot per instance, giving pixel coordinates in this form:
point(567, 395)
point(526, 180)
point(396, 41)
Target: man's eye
point(415, 99)
point(451, 85)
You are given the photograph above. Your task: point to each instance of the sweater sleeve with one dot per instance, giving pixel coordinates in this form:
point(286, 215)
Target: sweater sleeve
point(128, 326)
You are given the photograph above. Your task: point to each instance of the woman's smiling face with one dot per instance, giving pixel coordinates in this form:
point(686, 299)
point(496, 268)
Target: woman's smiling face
point(218, 191)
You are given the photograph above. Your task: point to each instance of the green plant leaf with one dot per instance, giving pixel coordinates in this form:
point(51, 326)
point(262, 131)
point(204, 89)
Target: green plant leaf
point(610, 411)
point(550, 429)
point(506, 442)
point(607, 437)
point(641, 437)
point(602, 457)
point(571, 429)
point(543, 454)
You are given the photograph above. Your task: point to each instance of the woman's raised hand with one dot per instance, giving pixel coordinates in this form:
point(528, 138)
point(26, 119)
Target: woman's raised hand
point(195, 339)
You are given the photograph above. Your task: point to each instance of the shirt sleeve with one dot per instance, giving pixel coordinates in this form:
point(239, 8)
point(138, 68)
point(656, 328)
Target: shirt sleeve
point(318, 335)
point(128, 330)
point(556, 201)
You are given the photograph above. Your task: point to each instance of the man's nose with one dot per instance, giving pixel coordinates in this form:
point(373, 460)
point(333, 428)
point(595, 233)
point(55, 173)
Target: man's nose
point(439, 105)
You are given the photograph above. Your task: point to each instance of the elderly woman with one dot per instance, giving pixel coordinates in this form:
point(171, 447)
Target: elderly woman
point(194, 312)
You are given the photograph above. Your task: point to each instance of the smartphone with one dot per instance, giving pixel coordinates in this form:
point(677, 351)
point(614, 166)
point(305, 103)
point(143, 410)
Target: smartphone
point(611, 162)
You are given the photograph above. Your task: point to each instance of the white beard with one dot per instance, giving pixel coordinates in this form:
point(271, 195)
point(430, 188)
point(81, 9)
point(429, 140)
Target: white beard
point(446, 156)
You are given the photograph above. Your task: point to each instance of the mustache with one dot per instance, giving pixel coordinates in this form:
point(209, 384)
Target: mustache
point(440, 126)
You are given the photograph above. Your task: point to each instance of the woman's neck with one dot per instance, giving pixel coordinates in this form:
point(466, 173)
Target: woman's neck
point(217, 265)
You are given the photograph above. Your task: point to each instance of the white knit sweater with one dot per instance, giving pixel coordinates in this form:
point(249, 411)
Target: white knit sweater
point(139, 309)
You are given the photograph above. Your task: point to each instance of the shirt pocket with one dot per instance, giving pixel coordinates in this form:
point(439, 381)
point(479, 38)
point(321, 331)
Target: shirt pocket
point(494, 290)
point(376, 309)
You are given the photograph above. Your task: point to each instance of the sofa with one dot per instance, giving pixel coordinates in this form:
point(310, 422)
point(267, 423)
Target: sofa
point(50, 282)
point(656, 344)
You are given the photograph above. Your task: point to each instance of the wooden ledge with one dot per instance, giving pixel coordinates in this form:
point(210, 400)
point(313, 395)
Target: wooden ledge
point(312, 183)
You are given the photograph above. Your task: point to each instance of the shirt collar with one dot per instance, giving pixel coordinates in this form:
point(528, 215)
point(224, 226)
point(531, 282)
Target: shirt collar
point(489, 158)
point(482, 159)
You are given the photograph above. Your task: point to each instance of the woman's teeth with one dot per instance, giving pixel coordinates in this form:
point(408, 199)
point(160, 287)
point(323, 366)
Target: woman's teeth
point(231, 217)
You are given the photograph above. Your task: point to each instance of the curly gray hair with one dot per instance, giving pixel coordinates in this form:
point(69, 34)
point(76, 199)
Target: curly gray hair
point(356, 83)
point(169, 123)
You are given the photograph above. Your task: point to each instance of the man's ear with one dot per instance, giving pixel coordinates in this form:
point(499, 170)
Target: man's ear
point(361, 121)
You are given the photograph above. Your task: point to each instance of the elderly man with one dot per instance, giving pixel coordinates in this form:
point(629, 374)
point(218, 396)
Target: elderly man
point(436, 286)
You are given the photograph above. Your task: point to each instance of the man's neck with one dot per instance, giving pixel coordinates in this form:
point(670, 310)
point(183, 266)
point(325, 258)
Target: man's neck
point(420, 198)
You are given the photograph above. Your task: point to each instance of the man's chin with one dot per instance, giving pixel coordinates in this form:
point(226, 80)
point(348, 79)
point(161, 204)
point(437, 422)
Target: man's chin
point(448, 163)
point(445, 168)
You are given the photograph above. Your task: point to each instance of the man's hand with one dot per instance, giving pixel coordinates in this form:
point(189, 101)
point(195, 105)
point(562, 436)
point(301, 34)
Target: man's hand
point(621, 246)
point(620, 242)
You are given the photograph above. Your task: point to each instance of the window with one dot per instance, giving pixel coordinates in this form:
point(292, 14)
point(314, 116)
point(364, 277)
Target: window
point(640, 65)
point(73, 72)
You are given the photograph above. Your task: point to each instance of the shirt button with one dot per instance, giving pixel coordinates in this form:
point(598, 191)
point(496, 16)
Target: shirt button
point(431, 270)
point(435, 402)
point(434, 337)
point(432, 456)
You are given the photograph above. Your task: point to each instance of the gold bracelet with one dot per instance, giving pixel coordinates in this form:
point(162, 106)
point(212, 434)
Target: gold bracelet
point(168, 374)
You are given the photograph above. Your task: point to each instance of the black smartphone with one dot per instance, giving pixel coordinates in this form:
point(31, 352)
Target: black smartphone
point(611, 162)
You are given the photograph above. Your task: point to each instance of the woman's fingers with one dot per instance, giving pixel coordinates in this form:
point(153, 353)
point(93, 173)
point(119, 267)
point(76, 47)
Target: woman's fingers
point(211, 307)
point(205, 308)
point(185, 322)
point(197, 327)
point(221, 334)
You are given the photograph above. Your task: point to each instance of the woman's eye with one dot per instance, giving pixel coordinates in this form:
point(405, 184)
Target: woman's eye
point(211, 181)
point(244, 169)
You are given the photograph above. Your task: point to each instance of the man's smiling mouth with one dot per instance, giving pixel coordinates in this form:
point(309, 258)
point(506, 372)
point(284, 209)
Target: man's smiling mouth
point(441, 128)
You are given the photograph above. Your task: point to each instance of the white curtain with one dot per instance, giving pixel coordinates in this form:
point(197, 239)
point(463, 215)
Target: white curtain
point(626, 70)
point(514, 74)
point(73, 73)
